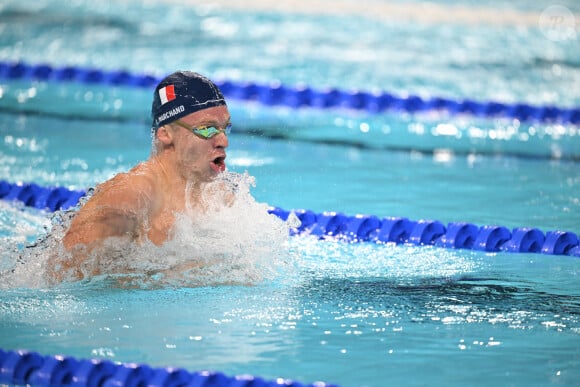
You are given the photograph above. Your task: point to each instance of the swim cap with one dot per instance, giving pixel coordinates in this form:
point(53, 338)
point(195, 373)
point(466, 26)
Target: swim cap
point(183, 93)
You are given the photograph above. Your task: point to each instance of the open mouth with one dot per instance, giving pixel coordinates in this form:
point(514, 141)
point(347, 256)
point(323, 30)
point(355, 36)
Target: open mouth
point(219, 164)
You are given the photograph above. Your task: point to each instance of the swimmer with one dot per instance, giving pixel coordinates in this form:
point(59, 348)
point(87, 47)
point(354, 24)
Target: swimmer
point(190, 126)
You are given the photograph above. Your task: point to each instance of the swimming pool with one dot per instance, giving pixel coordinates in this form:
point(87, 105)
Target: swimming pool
point(351, 314)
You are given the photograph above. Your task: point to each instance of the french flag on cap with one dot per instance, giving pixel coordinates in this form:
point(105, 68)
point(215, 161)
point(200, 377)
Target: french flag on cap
point(167, 94)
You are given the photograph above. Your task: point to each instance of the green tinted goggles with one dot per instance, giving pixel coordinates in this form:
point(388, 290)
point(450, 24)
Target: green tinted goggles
point(205, 132)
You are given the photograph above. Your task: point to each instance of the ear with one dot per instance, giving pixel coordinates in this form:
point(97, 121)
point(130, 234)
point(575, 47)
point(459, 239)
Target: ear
point(164, 135)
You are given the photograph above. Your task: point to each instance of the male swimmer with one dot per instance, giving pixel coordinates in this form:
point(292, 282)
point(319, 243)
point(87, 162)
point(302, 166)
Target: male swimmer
point(190, 126)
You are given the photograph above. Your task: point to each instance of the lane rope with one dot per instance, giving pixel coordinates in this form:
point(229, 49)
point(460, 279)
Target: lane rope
point(32, 368)
point(277, 94)
point(358, 228)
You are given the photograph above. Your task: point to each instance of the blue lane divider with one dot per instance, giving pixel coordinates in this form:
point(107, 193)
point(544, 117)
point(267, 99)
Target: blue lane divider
point(456, 235)
point(359, 228)
point(278, 94)
point(31, 368)
point(33, 195)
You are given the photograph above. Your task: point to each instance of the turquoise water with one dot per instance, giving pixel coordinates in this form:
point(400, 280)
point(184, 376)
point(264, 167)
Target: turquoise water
point(351, 314)
point(355, 315)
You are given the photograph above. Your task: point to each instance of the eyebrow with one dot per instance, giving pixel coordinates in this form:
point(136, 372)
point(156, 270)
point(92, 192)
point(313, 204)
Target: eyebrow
point(211, 122)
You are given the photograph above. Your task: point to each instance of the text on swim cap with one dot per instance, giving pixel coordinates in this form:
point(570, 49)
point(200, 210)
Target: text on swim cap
point(170, 113)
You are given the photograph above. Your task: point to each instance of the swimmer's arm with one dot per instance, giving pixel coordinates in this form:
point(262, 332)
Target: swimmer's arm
point(80, 243)
point(95, 225)
point(87, 233)
point(111, 212)
point(116, 210)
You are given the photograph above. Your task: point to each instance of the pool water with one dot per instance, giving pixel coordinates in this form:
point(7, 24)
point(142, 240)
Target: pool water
point(357, 314)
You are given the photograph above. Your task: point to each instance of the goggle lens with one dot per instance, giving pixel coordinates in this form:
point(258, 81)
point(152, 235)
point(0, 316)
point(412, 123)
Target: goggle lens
point(206, 131)
point(210, 131)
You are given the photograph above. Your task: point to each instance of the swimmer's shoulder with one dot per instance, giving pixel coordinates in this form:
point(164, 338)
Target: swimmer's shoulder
point(126, 188)
point(141, 178)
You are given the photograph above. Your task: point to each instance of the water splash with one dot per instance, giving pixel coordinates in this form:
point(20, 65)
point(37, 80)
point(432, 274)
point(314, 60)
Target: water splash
point(232, 240)
point(225, 238)
point(19, 226)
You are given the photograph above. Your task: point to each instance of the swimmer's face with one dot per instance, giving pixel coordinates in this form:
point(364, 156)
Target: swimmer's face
point(201, 159)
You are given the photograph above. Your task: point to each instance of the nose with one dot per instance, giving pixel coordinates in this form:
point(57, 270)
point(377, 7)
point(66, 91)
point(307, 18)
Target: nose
point(220, 140)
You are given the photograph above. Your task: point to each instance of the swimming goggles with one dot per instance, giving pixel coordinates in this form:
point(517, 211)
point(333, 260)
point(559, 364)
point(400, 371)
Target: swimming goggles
point(205, 132)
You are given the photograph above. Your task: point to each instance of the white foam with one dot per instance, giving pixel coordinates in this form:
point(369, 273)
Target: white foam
point(224, 239)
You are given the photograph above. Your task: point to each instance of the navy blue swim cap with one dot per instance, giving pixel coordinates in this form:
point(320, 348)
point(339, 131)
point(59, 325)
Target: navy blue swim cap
point(183, 93)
